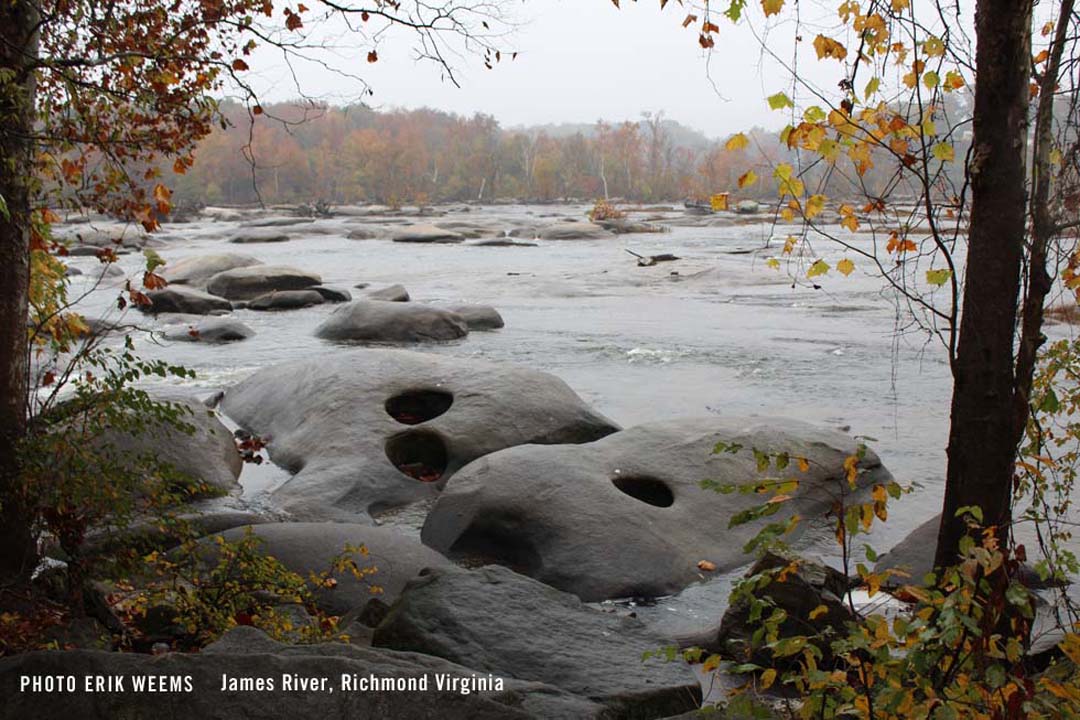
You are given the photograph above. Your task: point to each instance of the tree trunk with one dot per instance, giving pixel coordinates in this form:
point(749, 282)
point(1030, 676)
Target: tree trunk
point(18, 49)
point(982, 447)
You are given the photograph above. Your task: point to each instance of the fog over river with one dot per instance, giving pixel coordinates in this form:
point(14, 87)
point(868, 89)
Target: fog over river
point(716, 332)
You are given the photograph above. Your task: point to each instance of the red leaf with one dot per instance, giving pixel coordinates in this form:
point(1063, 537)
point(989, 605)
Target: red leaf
point(373, 57)
point(239, 65)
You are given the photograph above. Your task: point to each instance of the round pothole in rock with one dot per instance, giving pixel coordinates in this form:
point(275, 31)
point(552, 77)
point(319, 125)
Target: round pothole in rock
point(420, 455)
point(416, 406)
point(646, 489)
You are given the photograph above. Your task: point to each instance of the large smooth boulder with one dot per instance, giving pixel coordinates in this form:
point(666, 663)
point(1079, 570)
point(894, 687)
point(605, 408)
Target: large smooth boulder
point(574, 231)
point(306, 548)
point(248, 283)
point(426, 234)
point(387, 321)
point(184, 300)
point(245, 652)
point(287, 300)
point(391, 293)
point(199, 269)
point(478, 317)
point(207, 455)
point(495, 620)
point(258, 235)
point(210, 330)
point(627, 515)
point(373, 429)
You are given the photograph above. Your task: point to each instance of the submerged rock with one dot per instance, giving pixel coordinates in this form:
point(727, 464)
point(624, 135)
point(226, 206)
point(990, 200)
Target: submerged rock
point(478, 317)
point(210, 330)
point(391, 293)
point(184, 300)
point(374, 429)
point(426, 234)
point(626, 515)
point(496, 621)
point(287, 300)
point(256, 235)
point(383, 321)
point(574, 231)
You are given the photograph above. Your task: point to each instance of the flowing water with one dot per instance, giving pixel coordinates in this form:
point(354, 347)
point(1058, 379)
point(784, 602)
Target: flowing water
point(717, 332)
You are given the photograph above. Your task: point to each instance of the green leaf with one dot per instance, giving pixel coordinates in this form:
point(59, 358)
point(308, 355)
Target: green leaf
point(870, 554)
point(779, 101)
point(871, 87)
point(814, 114)
point(818, 268)
point(973, 510)
point(153, 260)
point(938, 277)
point(944, 152)
point(1050, 402)
point(735, 9)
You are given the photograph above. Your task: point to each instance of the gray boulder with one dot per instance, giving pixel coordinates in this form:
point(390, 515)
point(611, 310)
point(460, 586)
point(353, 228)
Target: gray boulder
point(331, 294)
point(383, 321)
point(248, 283)
point(574, 231)
point(306, 548)
point(373, 429)
point(207, 455)
point(362, 233)
point(245, 652)
point(426, 234)
point(199, 269)
point(391, 293)
point(626, 515)
point(184, 300)
point(258, 235)
point(210, 330)
point(478, 317)
point(287, 300)
point(497, 621)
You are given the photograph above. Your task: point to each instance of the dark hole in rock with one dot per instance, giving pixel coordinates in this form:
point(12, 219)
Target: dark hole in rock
point(416, 406)
point(496, 541)
point(420, 455)
point(646, 489)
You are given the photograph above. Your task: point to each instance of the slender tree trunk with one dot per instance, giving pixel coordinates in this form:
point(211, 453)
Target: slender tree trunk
point(18, 49)
point(981, 447)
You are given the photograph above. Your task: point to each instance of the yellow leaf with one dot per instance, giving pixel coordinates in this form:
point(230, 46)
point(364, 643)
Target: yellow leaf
point(818, 612)
point(871, 88)
point(944, 152)
point(845, 267)
point(747, 178)
point(938, 277)
point(787, 215)
point(900, 5)
point(706, 566)
point(772, 7)
point(850, 222)
point(828, 48)
point(814, 206)
point(738, 141)
point(804, 464)
point(774, 263)
point(768, 678)
point(818, 268)
point(934, 47)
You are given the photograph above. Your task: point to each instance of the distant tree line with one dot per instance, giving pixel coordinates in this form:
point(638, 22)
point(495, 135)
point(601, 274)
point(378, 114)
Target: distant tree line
point(301, 152)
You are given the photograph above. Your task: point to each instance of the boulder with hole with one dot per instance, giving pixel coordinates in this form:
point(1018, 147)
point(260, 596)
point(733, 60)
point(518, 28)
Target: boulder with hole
point(374, 429)
point(627, 515)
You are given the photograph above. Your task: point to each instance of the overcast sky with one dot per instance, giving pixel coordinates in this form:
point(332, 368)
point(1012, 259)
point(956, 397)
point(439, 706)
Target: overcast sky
point(579, 61)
